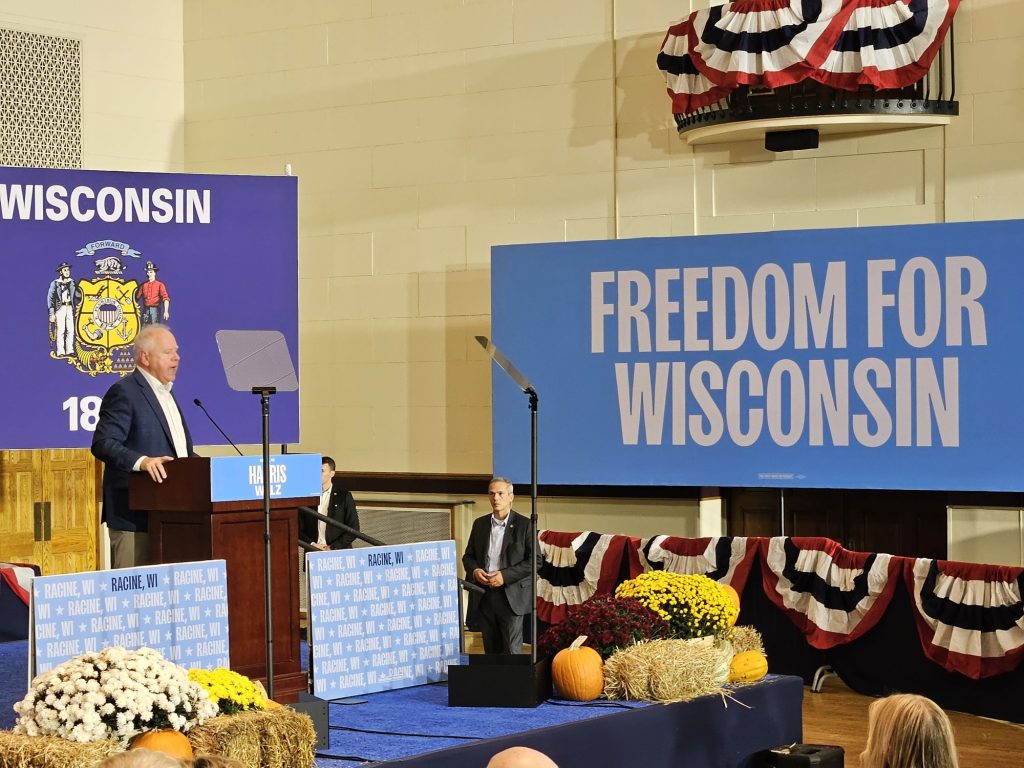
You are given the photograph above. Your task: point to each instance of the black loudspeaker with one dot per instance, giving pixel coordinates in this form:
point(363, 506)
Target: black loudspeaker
point(317, 711)
point(492, 680)
point(802, 756)
point(785, 141)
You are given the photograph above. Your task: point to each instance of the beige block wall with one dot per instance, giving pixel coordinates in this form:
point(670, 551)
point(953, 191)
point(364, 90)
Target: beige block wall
point(425, 131)
point(133, 106)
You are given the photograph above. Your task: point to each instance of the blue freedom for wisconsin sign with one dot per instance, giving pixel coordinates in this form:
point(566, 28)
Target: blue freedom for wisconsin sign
point(883, 357)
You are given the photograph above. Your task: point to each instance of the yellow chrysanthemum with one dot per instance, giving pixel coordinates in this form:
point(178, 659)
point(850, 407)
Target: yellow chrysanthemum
point(231, 691)
point(692, 604)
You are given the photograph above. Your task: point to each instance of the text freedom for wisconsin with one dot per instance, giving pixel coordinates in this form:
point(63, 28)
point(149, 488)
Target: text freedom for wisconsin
point(885, 397)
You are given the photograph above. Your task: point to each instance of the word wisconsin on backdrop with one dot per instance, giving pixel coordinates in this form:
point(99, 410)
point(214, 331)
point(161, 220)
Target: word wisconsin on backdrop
point(93, 257)
point(876, 357)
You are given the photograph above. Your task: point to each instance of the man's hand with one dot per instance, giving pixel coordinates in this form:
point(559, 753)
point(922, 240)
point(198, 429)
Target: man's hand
point(496, 579)
point(480, 577)
point(321, 547)
point(154, 465)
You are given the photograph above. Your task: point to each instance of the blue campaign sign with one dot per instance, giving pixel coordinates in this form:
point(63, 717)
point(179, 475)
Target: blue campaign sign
point(291, 476)
point(97, 255)
point(180, 610)
point(382, 617)
point(884, 357)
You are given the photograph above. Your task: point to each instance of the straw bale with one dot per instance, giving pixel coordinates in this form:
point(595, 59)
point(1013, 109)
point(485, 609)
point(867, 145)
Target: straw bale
point(746, 639)
point(667, 670)
point(275, 738)
point(20, 751)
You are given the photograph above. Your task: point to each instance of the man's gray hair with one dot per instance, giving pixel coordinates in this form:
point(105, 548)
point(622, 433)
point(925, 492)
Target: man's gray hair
point(144, 338)
point(504, 480)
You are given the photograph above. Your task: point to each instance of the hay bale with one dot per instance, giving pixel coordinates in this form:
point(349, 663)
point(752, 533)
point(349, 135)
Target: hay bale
point(20, 751)
point(275, 738)
point(667, 670)
point(746, 639)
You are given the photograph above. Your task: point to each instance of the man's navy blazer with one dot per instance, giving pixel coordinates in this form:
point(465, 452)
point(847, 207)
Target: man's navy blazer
point(131, 425)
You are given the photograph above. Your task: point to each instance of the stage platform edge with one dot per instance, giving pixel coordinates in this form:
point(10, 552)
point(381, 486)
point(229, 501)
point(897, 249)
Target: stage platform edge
point(731, 731)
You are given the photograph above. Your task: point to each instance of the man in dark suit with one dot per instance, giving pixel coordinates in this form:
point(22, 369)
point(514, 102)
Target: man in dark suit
point(140, 429)
point(498, 559)
point(337, 504)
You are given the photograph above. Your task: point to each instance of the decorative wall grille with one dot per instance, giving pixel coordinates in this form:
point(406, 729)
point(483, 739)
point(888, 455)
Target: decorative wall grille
point(40, 100)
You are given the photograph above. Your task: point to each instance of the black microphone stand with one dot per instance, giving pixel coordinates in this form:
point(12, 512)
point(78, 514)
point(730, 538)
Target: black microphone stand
point(212, 421)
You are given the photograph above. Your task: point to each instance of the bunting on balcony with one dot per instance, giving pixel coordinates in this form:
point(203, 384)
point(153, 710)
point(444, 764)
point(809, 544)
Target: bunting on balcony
point(578, 565)
point(845, 44)
point(832, 595)
point(970, 617)
point(725, 559)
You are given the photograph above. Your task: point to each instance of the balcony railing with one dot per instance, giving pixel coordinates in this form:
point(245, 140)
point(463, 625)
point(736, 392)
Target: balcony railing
point(808, 67)
point(934, 94)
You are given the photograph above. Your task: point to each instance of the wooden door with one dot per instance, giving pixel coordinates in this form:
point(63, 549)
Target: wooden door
point(69, 485)
point(21, 489)
point(49, 512)
point(908, 523)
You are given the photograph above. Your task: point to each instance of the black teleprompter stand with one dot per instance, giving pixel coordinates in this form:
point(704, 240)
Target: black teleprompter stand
point(491, 680)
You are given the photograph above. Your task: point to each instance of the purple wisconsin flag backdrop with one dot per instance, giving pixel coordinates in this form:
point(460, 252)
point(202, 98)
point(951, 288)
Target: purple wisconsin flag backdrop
point(89, 257)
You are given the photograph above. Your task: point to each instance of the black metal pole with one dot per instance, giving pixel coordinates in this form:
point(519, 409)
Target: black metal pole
point(533, 525)
point(265, 393)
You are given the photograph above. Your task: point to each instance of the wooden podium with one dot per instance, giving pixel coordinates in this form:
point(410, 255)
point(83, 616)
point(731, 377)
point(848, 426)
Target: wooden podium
point(185, 525)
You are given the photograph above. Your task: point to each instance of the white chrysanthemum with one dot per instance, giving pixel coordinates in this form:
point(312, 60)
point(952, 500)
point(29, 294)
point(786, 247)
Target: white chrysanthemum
point(115, 693)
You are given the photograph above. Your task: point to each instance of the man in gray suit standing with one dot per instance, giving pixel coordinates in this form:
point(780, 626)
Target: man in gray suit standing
point(498, 559)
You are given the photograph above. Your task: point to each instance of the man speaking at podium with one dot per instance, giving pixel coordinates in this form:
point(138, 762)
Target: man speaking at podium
point(498, 559)
point(140, 429)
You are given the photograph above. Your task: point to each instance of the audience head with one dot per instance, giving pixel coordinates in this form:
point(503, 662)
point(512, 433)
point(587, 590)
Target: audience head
point(908, 731)
point(521, 757)
point(216, 761)
point(141, 758)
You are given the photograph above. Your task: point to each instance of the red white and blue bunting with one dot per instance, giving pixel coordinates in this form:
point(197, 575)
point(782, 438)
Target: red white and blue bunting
point(970, 617)
point(18, 577)
point(845, 44)
point(725, 559)
point(833, 595)
point(578, 565)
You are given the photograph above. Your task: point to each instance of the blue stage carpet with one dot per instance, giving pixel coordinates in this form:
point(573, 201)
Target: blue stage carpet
point(417, 720)
point(386, 726)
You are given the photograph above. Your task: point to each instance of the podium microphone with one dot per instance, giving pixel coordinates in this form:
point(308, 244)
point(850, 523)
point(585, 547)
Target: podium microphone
point(196, 401)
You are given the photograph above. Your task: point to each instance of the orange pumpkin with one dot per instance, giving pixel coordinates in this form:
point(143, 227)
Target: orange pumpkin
point(735, 597)
point(747, 667)
point(170, 742)
point(578, 671)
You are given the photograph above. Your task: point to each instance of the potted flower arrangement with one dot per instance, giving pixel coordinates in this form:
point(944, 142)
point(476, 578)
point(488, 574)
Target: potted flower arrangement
point(693, 605)
point(229, 691)
point(608, 622)
point(112, 694)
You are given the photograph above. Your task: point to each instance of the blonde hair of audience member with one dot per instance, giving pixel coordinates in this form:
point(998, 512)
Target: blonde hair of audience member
point(216, 761)
point(141, 758)
point(521, 757)
point(908, 731)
